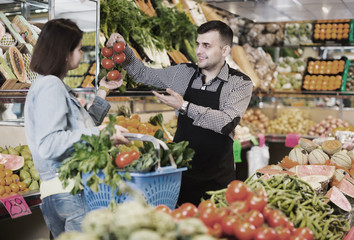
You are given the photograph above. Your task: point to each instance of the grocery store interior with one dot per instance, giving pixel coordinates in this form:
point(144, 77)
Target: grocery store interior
point(299, 55)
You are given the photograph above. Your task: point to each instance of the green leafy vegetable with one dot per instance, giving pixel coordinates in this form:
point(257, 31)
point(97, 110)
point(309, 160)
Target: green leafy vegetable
point(157, 120)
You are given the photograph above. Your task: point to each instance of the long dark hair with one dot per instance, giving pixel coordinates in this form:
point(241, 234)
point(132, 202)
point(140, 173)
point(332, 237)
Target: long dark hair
point(58, 38)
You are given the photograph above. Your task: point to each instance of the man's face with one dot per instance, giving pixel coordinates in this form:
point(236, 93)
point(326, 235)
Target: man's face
point(209, 50)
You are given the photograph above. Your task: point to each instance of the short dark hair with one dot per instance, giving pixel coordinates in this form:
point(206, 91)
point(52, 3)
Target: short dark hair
point(58, 38)
point(224, 30)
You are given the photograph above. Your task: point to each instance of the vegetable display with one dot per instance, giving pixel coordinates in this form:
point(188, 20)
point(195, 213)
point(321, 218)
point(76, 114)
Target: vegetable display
point(137, 221)
point(285, 196)
point(151, 36)
point(97, 153)
point(302, 205)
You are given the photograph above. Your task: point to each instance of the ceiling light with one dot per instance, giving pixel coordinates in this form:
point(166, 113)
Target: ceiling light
point(325, 10)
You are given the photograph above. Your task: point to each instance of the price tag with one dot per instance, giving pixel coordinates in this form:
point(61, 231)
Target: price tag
point(16, 206)
point(237, 151)
point(261, 139)
point(292, 139)
point(254, 141)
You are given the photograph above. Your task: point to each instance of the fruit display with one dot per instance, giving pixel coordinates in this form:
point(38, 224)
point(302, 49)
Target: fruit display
point(327, 126)
point(10, 183)
point(331, 30)
point(258, 119)
point(325, 66)
point(297, 33)
point(287, 82)
point(25, 170)
point(290, 121)
point(324, 75)
point(290, 71)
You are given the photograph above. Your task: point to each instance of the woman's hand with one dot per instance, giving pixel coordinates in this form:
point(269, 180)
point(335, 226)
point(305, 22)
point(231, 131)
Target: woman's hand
point(114, 84)
point(117, 137)
point(115, 37)
point(110, 85)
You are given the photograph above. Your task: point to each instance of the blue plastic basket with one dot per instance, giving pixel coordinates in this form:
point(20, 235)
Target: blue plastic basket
point(159, 187)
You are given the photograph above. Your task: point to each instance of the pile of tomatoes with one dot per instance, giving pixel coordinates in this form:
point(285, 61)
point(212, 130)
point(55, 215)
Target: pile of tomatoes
point(247, 217)
point(113, 56)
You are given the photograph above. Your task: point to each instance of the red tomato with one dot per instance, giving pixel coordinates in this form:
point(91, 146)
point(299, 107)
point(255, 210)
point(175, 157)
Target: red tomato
point(221, 213)
point(276, 219)
point(113, 75)
point(228, 224)
point(244, 230)
point(303, 232)
point(257, 202)
point(107, 63)
point(176, 214)
point(134, 154)
point(163, 208)
point(283, 233)
point(295, 238)
point(255, 217)
point(125, 158)
point(206, 204)
point(188, 210)
point(266, 211)
point(119, 47)
point(288, 224)
point(208, 216)
point(215, 230)
point(265, 233)
point(236, 190)
point(107, 52)
point(238, 207)
point(119, 58)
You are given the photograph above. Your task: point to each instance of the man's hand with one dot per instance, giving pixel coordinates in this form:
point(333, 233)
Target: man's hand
point(115, 37)
point(173, 100)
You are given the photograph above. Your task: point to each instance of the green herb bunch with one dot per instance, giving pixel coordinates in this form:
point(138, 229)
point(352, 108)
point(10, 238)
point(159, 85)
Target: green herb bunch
point(92, 154)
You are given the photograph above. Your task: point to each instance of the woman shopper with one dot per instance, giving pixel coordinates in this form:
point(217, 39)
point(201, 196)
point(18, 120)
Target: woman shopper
point(55, 120)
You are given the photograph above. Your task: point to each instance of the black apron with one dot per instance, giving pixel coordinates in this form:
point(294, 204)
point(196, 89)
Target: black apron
point(213, 162)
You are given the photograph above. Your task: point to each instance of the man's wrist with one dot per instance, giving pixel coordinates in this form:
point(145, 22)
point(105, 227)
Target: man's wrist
point(184, 108)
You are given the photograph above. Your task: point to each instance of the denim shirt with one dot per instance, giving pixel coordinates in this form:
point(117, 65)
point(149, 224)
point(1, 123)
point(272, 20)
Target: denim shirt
point(55, 120)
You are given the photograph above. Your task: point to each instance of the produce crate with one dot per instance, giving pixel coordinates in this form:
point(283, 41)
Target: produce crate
point(324, 74)
point(332, 31)
point(20, 40)
point(15, 86)
point(20, 24)
point(351, 32)
point(7, 39)
point(159, 187)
